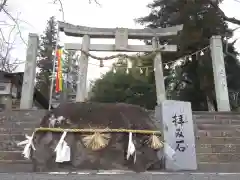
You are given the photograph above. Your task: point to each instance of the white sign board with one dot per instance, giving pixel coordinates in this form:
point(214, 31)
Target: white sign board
point(178, 132)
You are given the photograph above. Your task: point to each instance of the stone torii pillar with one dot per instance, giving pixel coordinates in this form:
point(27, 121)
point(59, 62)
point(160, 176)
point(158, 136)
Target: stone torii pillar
point(219, 73)
point(83, 69)
point(29, 73)
point(159, 77)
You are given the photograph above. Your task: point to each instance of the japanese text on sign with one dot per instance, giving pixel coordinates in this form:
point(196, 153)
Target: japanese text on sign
point(178, 121)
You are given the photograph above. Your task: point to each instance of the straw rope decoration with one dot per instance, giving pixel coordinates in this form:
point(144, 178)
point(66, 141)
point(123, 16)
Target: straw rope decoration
point(154, 142)
point(43, 129)
point(100, 138)
point(96, 141)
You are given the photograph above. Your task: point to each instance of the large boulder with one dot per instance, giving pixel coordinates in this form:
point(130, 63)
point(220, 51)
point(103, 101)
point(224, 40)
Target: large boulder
point(96, 115)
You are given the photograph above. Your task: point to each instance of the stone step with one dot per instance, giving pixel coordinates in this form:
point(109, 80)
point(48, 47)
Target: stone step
point(18, 124)
point(217, 140)
point(202, 140)
point(12, 137)
point(16, 105)
point(16, 131)
point(202, 136)
point(26, 166)
point(32, 115)
point(209, 123)
point(119, 175)
point(12, 156)
point(10, 146)
point(22, 115)
point(201, 123)
point(213, 137)
point(199, 133)
point(217, 127)
point(201, 157)
point(36, 115)
point(27, 117)
point(216, 113)
point(218, 157)
point(220, 122)
point(12, 162)
point(202, 167)
point(217, 133)
point(9, 142)
point(228, 167)
point(217, 148)
point(17, 166)
point(13, 127)
point(201, 130)
point(31, 119)
point(200, 148)
point(217, 116)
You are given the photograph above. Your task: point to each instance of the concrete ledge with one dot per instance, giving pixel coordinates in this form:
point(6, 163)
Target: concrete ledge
point(25, 166)
point(112, 175)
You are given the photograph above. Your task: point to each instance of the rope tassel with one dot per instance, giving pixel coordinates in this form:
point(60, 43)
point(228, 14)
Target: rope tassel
point(131, 151)
point(96, 141)
point(28, 146)
point(63, 153)
point(154, 142)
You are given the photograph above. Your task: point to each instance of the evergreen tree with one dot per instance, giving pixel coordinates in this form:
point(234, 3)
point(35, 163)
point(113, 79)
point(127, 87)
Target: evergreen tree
point(46, 57)
point(193, 80)
point(122, 87)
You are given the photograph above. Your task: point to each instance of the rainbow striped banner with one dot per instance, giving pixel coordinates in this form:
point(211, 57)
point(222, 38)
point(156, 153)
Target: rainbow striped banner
point(59, 77)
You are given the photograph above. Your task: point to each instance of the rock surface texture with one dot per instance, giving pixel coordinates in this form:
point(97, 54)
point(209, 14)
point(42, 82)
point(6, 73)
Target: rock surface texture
point(96, 116)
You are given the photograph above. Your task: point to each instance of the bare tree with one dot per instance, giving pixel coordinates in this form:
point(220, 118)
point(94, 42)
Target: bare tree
point(9, 33)
point(60, 2)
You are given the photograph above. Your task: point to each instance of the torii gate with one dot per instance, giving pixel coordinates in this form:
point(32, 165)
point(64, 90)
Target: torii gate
point(121, 36)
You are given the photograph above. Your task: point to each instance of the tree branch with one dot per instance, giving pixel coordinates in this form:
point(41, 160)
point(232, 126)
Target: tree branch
point(90, 1)
point(7, 41)
point(16, 23)
point(62, 9)
point(233, 20)
point(4, 3)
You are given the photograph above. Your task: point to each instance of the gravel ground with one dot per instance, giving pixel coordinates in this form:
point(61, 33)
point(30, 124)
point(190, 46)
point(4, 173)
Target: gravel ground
point(119, 176)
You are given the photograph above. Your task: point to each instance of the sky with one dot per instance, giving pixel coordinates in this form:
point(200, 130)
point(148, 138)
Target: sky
point(111, 14)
